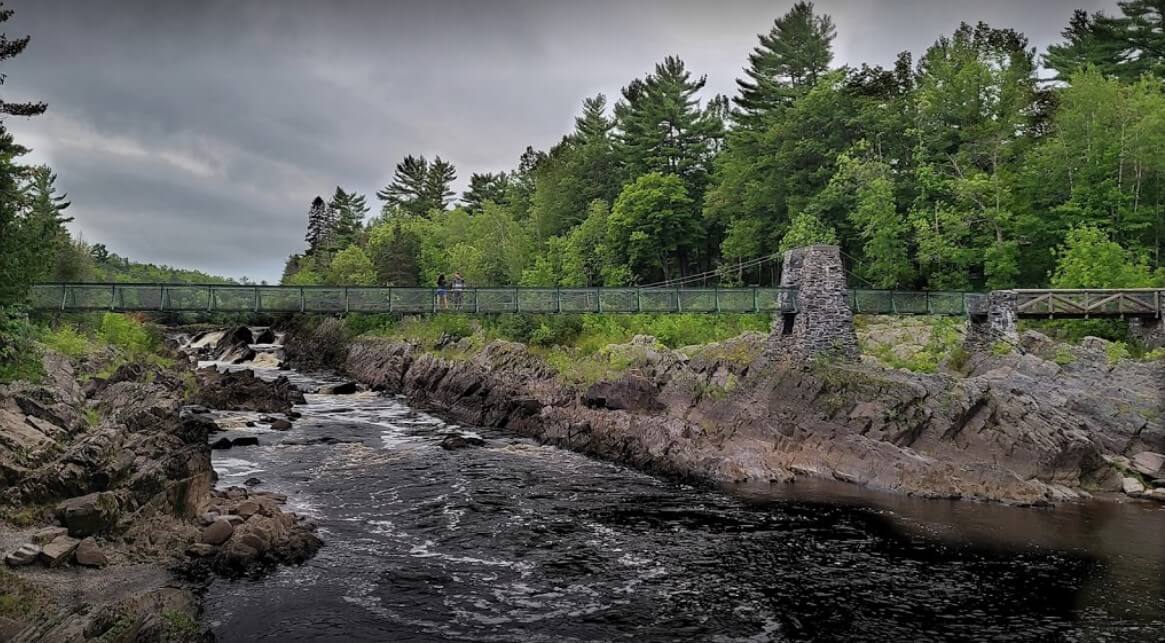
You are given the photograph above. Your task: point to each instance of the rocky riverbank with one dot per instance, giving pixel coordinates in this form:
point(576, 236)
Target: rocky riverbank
point(111, 521)
point(1044, 424)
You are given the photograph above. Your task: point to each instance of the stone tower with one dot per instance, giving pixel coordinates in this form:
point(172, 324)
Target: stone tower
point(823, 325)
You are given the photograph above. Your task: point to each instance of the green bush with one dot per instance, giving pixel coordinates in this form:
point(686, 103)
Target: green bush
point(1116, 351)
point(67, 340)
point(19, 353)
point(128, 334)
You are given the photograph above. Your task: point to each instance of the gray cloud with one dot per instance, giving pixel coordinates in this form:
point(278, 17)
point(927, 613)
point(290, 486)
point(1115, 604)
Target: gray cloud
point(195, 134)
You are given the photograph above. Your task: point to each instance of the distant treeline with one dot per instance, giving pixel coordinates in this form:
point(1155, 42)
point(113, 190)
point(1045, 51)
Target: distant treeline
point(961, 171)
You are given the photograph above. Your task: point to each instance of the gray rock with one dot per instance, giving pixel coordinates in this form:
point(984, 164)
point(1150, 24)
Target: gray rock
point(218, 532)
point(89, 554)
point(252, 482)
point(280, 425)
point(247, 508)
point(1132, 486)
point(247, 441)
point(59, 551)
point(236, 493)
point(344, 388)
point(48, 534)
point(234, 519)
point(26, 554)
point(200, 550)
point(1158, 483)
point(1149, 463)
point(88, 515)
point(458, 441)
point(207, 518)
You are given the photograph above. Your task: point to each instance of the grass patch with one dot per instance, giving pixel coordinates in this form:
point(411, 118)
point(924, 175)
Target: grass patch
point(1063, 356)
point(1116, 351)
point(945, 345)
point(19, 599)
point(67, 340)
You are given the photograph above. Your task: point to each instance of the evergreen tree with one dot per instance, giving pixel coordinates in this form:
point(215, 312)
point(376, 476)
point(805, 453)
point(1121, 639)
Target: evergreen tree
point(45, 220)
point(319, 226)
point(438, 192)
point(1090, 40)
point(787, 62)
point(347, 210)
point(408, 190)
point(21, 257)
point(653, 228)
point(395, 253)
point(593, 123)
point(663, 129)
point(1143, 27)
point(485, 187)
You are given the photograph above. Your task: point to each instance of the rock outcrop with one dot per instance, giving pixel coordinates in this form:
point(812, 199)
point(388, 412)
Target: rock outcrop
point(242, 391)
point(1020, 428)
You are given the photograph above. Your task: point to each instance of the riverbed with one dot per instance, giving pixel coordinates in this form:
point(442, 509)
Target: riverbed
point(515, 541)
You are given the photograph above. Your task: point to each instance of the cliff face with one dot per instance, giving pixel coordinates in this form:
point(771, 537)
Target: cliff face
point(1018, 429)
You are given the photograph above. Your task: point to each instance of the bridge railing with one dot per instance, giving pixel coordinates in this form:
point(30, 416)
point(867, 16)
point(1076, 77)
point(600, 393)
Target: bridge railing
point(1089, 302)
point(340, 299)
point(907, 302)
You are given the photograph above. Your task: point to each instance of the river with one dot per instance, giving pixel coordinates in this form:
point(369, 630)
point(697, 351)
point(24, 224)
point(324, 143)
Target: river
point(513, 541)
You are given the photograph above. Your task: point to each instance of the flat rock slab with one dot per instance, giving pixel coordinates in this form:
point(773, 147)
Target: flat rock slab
point(59, 551)
point(48, 535)
point(1149, 463)
point(1132, 486)
point(26, 554)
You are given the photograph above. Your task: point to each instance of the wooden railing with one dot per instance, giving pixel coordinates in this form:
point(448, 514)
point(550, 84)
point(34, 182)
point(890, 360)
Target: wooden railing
point(1085, 303)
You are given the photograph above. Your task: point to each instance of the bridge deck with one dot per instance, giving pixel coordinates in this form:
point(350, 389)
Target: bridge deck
point(337, 299)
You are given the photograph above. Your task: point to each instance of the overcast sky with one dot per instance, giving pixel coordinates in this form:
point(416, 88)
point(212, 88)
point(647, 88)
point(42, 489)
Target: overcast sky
point(195, 134)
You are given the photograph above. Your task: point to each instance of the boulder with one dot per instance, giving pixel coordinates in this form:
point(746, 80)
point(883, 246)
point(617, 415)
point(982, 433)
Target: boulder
point(1158, 483)
point(234, 519)
point(242, 391)
point(1149, 464)
point(1132, 486)
point(246, 441)
point(280, 425)
point(89, 554)
point(207, 518)
point(59, 551)
point(459, 441)
point(264, 336)
point(218, 532)
point(294, 415)
point(236, 493)
point(88, 515)
point(343, 388)
point(222, 443)
point(247, 508)
point(26, 554)
point(252, 482)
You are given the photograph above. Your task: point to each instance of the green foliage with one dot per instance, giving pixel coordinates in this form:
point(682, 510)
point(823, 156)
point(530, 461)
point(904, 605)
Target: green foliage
point(1088, 259)
point(1002, 349)
point(128, 334)
point(67, 340)
point(653, 228)
point(1116, 351)
point(807, 230)
point(351, 267)
point(1063, 356)
point(19, 353)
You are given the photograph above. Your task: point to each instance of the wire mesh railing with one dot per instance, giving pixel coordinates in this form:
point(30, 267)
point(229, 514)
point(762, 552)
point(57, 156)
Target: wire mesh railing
point(353, 299)
point(358, 299)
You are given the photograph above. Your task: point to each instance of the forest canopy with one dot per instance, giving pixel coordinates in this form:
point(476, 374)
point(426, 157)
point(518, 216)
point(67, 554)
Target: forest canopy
point(965, 170)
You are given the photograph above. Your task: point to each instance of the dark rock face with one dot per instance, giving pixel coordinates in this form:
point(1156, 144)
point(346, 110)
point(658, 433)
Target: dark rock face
point(242, 391)
point(631, 393)
point(235, 346)
point(1019, 429)
point(91, 514)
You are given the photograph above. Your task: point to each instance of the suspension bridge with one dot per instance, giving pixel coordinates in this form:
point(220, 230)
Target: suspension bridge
point(229, 298)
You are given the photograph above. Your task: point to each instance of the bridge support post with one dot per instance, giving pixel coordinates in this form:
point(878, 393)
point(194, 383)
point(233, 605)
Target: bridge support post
point(993, 321)
point(1148, 331)
point(823, 325)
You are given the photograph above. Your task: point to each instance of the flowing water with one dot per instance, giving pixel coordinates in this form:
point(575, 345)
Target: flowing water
point(513, 541)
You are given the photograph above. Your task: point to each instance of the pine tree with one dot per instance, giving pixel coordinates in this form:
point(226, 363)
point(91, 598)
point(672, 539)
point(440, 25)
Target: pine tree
point(1143, 27)
point(20, 248)
point(438, 191)
point(1090, 40)
point(407, 190)
point(788, 61)
point(45, 220)
point(319, 226)
point(662, 127)
point(348, 210)
point(485, 187)
point(593, 124)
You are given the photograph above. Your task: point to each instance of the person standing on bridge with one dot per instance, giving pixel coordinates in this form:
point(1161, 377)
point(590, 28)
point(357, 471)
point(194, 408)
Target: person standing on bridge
point(458, 289)
point(442, 292)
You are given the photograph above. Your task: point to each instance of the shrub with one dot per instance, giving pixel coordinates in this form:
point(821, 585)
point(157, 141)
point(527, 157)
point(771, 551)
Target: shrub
point(1116, 351)
point(19, 354)
point(128, 334)
point(67, 340)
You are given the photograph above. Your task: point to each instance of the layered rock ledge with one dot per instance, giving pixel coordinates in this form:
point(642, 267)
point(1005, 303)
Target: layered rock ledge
point(1027, 428)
